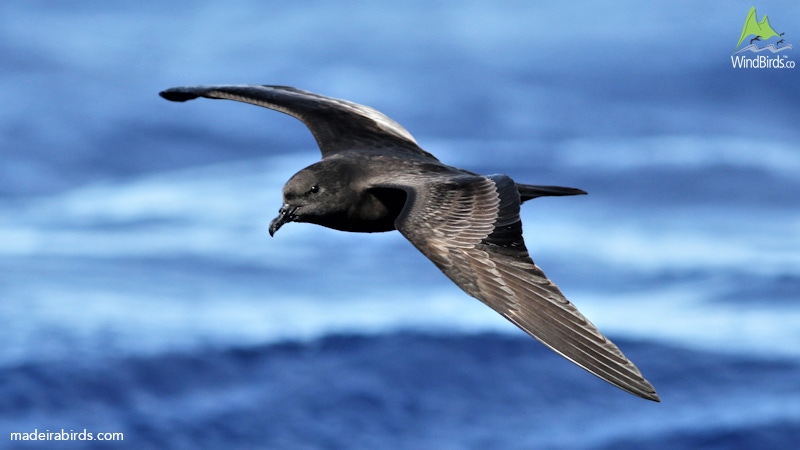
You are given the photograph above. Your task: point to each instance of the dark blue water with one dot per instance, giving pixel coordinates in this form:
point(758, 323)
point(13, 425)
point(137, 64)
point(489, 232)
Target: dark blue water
point(407, 390)
point(141, 294)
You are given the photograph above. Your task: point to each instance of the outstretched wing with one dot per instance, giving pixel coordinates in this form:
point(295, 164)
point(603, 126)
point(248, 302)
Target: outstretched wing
point(469, 226)
point(337, 125)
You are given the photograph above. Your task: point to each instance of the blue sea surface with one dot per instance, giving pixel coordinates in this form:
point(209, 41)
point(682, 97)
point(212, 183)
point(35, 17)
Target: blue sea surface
point(140, 292)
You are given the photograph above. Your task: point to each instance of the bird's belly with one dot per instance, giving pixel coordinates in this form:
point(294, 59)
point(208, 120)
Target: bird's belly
point(374, 211)
point(360, 224)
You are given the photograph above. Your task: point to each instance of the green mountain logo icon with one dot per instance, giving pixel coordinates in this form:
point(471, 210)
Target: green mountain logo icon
point(752, 27)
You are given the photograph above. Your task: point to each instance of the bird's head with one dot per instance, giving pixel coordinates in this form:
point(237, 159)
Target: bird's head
point(318, 194)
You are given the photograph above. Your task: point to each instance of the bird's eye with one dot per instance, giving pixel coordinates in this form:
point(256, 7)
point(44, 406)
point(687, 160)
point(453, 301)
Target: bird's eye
point(314, 189)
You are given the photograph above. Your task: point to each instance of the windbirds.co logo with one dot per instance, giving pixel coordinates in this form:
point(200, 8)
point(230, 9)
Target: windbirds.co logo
point(772, 41)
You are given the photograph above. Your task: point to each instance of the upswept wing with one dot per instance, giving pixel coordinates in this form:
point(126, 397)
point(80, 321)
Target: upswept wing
point(469, 226)
point(337, 125)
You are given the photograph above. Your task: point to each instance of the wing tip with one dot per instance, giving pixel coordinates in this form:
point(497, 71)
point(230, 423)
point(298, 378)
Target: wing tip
point(637, 386)
point(179, 94)
point(647, 394)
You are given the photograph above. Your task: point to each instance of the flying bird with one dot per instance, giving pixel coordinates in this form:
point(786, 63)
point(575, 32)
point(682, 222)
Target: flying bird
point(374, 177)
point(757, 38)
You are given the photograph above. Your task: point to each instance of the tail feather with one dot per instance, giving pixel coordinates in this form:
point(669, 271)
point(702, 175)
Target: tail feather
point(531, 191)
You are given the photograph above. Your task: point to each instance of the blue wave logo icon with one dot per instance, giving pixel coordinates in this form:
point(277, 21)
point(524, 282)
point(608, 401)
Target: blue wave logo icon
point(771, 48)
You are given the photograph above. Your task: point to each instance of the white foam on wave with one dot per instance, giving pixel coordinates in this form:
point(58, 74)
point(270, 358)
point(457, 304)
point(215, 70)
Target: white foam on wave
point(685, 240)
point(222, 213)
point(55, 325)
point(683, 315)
point(44, 323)
point(687, 150)
point(218, 211)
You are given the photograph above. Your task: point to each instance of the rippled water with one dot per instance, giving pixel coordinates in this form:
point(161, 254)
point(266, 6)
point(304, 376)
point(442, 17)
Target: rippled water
point(141, 293)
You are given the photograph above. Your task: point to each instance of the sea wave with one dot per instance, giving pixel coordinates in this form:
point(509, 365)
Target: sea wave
point(177, 259)
point(403, 390)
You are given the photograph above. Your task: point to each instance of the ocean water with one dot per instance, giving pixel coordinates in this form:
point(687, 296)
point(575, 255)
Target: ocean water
point(141, 294)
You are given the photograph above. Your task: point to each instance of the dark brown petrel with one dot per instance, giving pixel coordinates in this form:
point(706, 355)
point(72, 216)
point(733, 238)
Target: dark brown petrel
point(373, 176)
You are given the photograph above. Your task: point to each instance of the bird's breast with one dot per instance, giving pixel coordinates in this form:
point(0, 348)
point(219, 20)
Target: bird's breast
point(375, 211)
